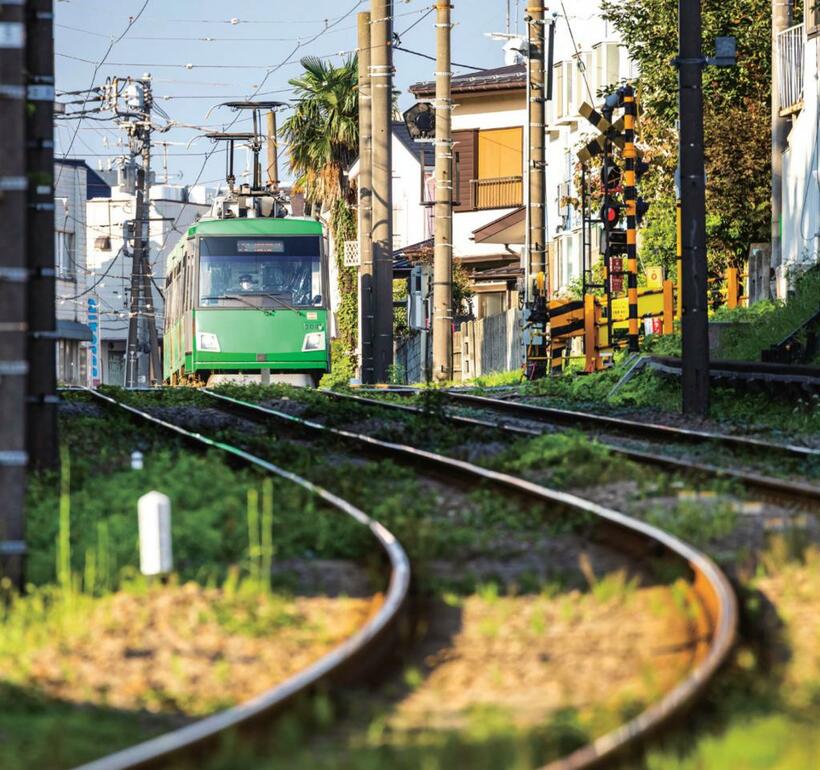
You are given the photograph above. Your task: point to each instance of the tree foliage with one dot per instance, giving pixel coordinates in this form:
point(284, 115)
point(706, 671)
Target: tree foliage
point(322, 134)
point(736, 120)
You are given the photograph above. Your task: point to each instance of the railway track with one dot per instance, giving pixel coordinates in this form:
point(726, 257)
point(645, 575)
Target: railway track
point(354, 656)
point(526, 419)
point(708, 586)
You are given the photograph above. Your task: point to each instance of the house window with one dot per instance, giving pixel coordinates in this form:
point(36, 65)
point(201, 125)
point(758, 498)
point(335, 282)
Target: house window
point(812, 17)
point(64, 255)
point(500, 180)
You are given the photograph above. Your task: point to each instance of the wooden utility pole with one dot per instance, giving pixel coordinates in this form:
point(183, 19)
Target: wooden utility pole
point(366, 313)
point(781, 19)
point(14, 277)
point(381, 71)
point(694, 322)
point(273, 152)
point(443, 253)
point(41, 418)
point(536, 105)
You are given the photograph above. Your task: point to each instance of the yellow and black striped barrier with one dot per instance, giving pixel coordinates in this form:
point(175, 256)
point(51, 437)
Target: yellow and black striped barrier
point(631, 202)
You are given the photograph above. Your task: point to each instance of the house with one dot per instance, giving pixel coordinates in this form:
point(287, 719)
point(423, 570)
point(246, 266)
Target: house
point(173, 208)
point(798, 90)
point(413, 187)
point(489, 116)
point(75, 184)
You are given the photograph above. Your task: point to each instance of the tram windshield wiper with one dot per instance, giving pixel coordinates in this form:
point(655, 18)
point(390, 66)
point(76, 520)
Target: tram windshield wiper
point(282, 302)
point(237, 298)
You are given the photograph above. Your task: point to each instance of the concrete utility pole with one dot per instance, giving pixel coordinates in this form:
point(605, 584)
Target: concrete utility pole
point(142, 371)
point(781, 19)
point(14, 277)
point(381, 71)
point(536, 103)
point(694, 323)
point(273, 152)
point(443, 254)
point(41, 419)
point(367, 367)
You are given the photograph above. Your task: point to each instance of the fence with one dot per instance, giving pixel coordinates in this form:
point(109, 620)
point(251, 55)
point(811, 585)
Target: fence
point(491, 344)
point(790, 49)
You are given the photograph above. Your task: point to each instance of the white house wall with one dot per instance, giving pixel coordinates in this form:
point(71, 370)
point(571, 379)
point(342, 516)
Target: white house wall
point(801, 177)
point(69, 217)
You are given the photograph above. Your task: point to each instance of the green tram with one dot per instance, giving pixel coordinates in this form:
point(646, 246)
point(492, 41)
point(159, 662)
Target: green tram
point(246, 299)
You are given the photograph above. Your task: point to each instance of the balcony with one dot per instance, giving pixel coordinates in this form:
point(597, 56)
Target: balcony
point(790, 49)
point(499, 193)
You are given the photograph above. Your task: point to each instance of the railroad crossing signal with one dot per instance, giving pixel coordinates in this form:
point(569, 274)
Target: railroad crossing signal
point(620, 197)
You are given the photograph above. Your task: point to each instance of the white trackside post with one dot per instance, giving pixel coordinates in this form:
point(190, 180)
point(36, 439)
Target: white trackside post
point(154, 511)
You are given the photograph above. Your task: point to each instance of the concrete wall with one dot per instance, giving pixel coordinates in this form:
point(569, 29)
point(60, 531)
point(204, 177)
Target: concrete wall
point(801, 178)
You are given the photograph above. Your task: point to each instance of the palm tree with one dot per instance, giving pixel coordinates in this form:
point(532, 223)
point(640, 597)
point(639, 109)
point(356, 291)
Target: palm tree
point(323, 132)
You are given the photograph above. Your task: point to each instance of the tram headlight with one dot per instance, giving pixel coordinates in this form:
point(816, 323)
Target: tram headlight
point(314, 341)
point(208, 342)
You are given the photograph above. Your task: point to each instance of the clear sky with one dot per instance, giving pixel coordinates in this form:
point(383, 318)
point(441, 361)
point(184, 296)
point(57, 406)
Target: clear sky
point(230, 60)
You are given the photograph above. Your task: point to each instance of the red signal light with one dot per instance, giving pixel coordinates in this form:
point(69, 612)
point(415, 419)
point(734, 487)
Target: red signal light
point(610, 215)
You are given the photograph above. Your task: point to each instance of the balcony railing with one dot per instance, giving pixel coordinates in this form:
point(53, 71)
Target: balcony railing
point(499, 193)
point(790, 48)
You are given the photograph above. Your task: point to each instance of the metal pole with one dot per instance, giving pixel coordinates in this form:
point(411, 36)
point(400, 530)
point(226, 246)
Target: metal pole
point(443, 258)
point(14, 277)
point(41, 421)
point(366, 311)
point(695, 322)
point(781, 18)
point(631, 200)
point(273, 152)
point(536, 101)
point(381, 71)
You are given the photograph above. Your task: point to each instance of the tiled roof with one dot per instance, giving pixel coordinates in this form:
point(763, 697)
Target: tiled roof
point(512, 76)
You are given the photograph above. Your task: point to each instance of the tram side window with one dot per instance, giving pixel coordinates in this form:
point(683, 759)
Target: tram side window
point(186, 295)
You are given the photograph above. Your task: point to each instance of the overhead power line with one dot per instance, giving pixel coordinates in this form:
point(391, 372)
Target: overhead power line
point(131, 22)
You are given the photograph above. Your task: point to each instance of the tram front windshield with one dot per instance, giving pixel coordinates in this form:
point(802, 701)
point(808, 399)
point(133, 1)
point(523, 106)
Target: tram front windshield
point(261, 272)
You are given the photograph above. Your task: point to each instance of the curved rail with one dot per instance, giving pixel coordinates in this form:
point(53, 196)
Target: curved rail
point(710, 586)
point(806, 494)
point(367, 642)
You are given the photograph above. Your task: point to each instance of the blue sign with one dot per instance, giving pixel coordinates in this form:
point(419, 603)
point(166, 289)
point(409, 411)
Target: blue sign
point(93, 324)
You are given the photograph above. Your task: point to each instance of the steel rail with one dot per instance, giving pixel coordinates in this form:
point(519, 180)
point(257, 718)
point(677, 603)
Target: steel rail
point(710, 586)
point(365, 645)
point(795, 491)
point(575, 418)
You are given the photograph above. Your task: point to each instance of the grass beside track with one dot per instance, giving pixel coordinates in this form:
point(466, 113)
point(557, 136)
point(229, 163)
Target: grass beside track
point(93, 658)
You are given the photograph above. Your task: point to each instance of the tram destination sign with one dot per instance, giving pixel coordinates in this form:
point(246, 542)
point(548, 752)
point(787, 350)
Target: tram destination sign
point(260, 247)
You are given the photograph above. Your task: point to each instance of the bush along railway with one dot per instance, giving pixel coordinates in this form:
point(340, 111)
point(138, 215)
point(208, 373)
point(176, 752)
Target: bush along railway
point(713, 609)
point(654, 444)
